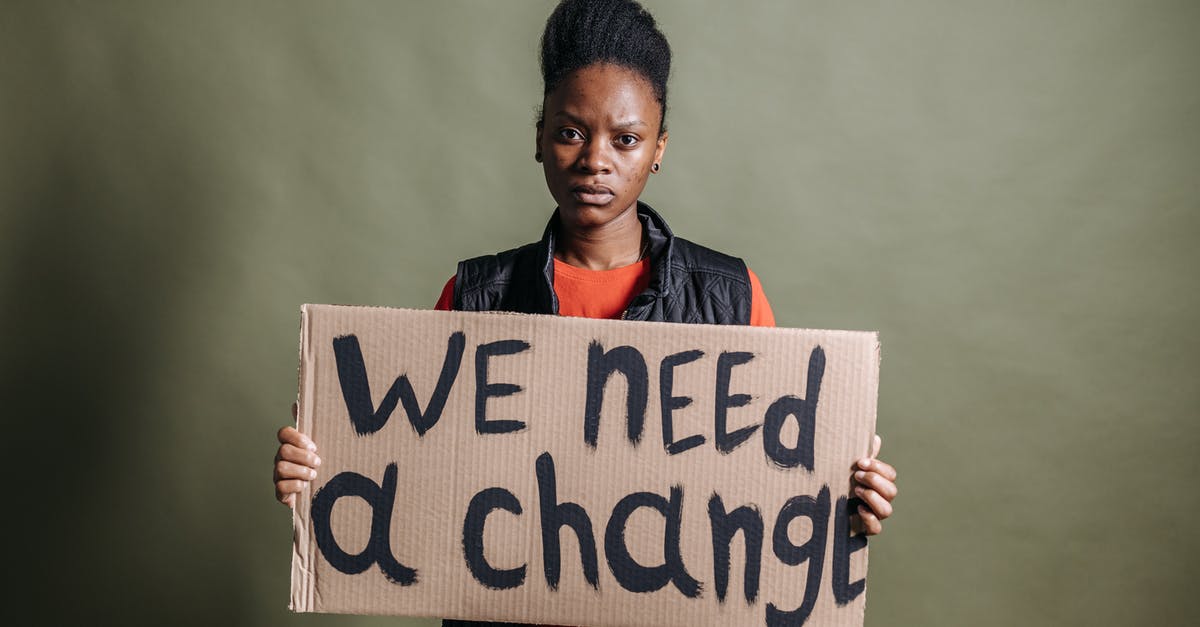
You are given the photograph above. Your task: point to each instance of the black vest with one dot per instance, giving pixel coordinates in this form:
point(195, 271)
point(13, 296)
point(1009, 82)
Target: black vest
point(688, 282)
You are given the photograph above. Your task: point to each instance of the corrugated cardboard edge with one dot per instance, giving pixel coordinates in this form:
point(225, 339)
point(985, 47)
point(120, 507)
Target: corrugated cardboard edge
point(302, 546)
point(861, 618)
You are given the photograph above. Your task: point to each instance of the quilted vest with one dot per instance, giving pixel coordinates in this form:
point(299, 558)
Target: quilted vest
point(688, 282)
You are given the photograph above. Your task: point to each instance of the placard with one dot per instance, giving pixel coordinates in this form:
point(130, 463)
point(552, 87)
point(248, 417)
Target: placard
point(554, 470)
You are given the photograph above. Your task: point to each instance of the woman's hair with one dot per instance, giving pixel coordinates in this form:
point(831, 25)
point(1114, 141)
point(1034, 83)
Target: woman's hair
point(580, 33)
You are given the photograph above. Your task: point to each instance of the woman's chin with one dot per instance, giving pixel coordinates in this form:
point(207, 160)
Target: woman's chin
point(586, 216)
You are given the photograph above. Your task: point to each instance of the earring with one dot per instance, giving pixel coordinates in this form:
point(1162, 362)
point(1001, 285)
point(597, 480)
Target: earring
point(537, 156)
point(654, 168)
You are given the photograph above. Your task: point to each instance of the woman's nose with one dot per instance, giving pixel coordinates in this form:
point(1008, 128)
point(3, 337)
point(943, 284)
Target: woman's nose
point(595, 158)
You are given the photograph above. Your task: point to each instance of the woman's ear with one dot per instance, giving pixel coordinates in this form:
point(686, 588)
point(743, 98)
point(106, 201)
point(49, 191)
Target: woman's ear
point(660, 148)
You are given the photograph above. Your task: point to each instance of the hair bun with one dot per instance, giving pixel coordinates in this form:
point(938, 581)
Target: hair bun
point(580, 33)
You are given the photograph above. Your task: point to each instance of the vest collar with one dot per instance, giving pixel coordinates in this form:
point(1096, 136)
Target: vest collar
point(660, 252)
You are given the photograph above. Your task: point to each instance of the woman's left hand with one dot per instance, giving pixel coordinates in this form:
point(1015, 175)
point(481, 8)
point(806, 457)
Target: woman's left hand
point(875, 484)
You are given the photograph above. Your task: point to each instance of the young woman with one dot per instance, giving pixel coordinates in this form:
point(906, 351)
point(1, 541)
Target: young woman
point(605, 254)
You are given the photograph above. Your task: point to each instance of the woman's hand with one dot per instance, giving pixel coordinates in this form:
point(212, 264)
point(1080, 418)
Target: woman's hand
point(295, 463)
point(875, 484)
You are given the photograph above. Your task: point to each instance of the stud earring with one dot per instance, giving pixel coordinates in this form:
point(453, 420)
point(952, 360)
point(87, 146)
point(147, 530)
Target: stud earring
point(654, 168)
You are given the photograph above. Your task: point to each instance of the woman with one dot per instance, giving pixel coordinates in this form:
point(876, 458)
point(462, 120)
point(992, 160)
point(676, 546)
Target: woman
point(604, 254)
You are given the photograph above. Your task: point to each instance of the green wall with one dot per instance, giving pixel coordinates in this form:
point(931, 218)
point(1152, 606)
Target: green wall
point(1007, 191)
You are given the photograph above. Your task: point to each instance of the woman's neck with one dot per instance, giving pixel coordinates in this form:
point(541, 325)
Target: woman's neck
point(603, 247)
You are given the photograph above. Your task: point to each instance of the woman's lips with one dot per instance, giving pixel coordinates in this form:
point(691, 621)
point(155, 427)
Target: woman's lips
point(592, 194)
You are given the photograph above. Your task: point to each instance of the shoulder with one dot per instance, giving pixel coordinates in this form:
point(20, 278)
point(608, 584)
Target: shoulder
point(478, 271)
point(705, 285)
point(510, 280)
point(694, 258)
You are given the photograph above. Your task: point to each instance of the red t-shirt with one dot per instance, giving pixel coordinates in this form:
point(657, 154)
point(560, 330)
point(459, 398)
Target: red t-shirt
point(605, 293)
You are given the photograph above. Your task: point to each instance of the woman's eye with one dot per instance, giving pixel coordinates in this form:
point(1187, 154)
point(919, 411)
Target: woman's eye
point(627, 140)
point(570, 133)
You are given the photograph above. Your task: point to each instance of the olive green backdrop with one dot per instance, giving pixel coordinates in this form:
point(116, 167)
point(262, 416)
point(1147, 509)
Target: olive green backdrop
point(1007, 191)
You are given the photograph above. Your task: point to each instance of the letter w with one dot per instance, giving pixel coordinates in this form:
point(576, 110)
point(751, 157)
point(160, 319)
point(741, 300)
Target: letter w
point(352, 376)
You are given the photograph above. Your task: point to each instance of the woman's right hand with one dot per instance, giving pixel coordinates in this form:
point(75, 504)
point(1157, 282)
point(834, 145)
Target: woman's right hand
point(295, 463)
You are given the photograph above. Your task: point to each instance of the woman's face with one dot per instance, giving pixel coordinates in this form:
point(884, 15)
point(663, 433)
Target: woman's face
point(598, 138)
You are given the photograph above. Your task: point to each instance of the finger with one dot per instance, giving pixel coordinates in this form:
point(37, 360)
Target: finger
point(289, 500)
point(879, 505)
point(284, 487)
point(876, 444)
point(289, 435)
point(288, 470)
point(297, 455)
point(882, 468)
point(878, 483)
point(870, 524)
point(856, 524)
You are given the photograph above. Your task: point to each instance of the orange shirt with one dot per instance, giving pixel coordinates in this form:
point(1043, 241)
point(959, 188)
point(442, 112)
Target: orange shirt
point(605, 293)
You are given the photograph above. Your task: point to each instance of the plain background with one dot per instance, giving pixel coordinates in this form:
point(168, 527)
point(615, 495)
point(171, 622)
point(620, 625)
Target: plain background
point(1007, 191)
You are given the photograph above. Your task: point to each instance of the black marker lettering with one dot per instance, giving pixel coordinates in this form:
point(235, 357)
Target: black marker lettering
point(724, 525)
point(726, 442)
point(844, 545)
point(379, 550)
point(812, 551)
point(554, 516)
point(629, 362)
point(805, 412)
point(352, 376)
point(481, 505)
point(633, 576)
point(666, 380)
point(485, 390)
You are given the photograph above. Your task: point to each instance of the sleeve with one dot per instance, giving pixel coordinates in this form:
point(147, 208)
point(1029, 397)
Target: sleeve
point(760, 310)
point(446, 300)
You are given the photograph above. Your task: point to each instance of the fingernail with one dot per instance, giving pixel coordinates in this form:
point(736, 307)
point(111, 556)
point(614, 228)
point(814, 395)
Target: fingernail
point(312, 474)
point(860, 475)
point(316, 461)
point(864, 463)
point(312, 447)
point(858, 490)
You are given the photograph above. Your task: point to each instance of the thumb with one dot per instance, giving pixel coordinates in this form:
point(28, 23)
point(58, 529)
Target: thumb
point(876, 444)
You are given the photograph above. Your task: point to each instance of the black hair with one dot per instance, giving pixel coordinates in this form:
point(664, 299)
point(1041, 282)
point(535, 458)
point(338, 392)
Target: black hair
point(580, 33)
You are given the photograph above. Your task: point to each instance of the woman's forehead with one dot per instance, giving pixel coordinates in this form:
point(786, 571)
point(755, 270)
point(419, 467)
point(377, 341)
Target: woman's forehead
point(603, 93)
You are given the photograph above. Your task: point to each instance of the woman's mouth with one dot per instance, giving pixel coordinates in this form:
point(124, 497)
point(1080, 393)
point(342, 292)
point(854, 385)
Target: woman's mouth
point(592, 194)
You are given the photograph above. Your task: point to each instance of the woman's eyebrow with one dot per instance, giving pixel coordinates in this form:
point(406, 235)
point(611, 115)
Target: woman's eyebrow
point(569, 117)
point(627, 124)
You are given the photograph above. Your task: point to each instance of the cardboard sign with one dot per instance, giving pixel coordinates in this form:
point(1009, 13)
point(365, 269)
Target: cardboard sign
point(553, 470)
